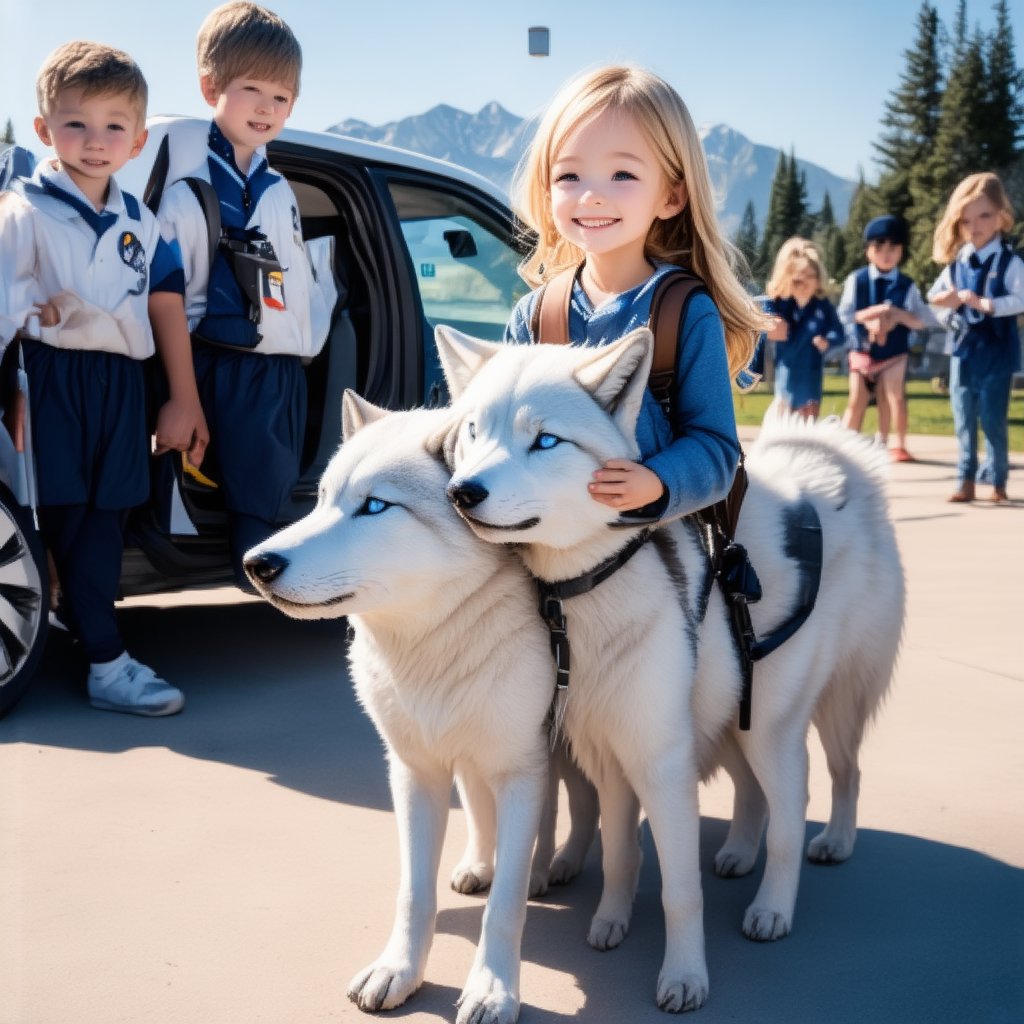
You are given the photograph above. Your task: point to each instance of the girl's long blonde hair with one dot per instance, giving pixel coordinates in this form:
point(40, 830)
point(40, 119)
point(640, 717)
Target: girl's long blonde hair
point(690, 239)
point(947, 240)
point(795, 250)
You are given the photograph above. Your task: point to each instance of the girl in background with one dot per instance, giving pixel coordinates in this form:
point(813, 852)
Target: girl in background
point(978, 296)
point(804, 328)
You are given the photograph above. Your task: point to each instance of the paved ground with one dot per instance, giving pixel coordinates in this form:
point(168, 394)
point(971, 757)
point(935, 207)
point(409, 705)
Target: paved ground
point(237, 864)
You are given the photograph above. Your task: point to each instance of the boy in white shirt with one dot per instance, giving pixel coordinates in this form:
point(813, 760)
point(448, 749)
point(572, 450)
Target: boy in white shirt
point(249, 308)
point(84, 262)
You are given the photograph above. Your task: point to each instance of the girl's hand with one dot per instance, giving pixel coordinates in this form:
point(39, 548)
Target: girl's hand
point(625, 485)
point(779, 330)
point(820, 343)
point(949, 299)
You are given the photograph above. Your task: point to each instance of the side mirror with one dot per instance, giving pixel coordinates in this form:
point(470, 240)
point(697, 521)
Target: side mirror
point(460, 244)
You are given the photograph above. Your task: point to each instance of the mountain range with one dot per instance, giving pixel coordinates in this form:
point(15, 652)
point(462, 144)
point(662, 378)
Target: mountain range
point(492, 141)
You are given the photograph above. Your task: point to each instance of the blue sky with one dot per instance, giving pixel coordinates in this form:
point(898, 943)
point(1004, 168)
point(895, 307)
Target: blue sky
point(808, 75)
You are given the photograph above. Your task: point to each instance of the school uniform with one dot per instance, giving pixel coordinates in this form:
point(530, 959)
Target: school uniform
point(248, 363)
point(695, 455)
point(86, 384)
point(984, 354)
point(868, 287)
point(798, 363)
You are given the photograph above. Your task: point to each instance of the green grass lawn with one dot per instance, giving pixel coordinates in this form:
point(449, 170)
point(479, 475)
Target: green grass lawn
point(930, 413)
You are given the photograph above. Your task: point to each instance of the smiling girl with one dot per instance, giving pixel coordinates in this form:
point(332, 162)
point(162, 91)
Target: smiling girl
point(615, 184)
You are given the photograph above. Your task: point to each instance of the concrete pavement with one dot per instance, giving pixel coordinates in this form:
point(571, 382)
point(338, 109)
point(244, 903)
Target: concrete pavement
point(236, 864)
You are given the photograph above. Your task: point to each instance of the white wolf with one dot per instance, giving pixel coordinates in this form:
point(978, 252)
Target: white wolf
point(452, 663)
point(655, 677)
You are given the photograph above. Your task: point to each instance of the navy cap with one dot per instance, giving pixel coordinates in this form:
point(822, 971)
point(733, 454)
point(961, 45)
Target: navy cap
point(886, 229)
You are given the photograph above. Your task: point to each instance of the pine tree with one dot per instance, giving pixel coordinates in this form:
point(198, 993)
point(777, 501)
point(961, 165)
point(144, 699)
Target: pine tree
point(1003, 123)
point(865, 204)
point(911, 117)
point(746, 236)
point(774, 228)
point(8, 135)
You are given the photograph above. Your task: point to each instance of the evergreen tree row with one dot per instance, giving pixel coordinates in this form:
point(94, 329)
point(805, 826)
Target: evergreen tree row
point(958, 109)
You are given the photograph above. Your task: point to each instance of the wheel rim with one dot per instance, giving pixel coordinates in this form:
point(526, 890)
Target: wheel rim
point(21, 598)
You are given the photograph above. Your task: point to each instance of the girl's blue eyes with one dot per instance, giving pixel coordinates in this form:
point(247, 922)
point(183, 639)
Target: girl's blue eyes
point(544, 442)
point(571, 178)
point(373, 507)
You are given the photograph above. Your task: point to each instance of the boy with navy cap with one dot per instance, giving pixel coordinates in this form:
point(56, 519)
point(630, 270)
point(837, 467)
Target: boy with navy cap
point(879, 308)
point(249, 308)
point(90, 290)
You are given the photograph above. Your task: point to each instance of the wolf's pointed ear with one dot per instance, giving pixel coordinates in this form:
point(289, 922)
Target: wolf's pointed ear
point(356, 412)
point(616, 375)
point(461, 356)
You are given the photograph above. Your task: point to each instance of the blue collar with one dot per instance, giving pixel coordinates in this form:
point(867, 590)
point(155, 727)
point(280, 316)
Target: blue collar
point(225, 151)
point(58, 185)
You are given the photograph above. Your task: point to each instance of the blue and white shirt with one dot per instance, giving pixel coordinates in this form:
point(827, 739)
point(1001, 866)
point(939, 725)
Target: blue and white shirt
point(696, 455)
point(98, 268)
point(913, 303)
point(259, 201)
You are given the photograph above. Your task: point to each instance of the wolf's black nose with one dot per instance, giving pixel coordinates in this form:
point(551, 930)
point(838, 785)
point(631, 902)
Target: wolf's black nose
point(265, 568)
point(467, 494)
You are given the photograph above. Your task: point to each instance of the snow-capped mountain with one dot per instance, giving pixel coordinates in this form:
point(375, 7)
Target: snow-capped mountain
point(491, 142)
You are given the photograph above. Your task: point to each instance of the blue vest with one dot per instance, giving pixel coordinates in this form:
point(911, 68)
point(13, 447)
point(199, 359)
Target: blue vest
point(897, 341)
point(992, 343)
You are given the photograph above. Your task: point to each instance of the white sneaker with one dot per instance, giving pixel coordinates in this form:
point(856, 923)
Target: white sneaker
point(134, 689)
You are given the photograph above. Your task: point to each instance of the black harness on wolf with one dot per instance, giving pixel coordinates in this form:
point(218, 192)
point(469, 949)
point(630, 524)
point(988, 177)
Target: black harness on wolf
point(727, 560)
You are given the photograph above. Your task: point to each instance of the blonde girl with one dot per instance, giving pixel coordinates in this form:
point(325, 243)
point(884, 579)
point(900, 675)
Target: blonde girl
point(616, 183)
point(979, 296)
point(804, 328)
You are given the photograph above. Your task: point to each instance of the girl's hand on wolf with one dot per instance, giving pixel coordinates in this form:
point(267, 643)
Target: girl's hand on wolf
point(625, 485)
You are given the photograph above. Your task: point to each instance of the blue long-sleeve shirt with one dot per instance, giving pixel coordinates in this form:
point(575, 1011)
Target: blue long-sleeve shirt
point(798, 364)
point(695, 456)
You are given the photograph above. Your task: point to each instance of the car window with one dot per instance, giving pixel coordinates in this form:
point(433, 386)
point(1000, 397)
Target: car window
point(464, 262)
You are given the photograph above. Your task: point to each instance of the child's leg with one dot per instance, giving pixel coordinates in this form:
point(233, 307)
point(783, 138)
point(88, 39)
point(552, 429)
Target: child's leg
point(891, 382)
point(993, 411)
point(965, 424)
point(87, 545)
point(853, 416)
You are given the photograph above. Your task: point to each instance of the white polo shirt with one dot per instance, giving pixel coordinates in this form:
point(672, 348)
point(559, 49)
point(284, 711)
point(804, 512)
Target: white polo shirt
point(98, 268)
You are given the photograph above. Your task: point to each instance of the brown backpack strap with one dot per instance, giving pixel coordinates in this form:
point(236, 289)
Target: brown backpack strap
point(668, 307)
point(550, 321)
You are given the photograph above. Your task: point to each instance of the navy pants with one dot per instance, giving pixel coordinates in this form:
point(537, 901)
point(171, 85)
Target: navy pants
point(87, 544)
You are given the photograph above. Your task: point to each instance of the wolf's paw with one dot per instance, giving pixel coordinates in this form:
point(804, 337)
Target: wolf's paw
point(564, 869)
point(678, 995)
point(734, 863)
point(382, 986)
point(538, 883)
point(826, 848)
point(472, 877)
point(487, 1000)
point(763, 925)
point(605, 934)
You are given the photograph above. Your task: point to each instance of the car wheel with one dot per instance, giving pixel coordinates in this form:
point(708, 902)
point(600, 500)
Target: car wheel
point(24, 600)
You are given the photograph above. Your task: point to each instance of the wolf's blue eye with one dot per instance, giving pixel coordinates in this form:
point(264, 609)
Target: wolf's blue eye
point(471, 430)
point(545, 441)
point(373, 506)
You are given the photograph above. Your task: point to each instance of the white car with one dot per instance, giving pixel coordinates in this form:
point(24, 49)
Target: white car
point(401, 242)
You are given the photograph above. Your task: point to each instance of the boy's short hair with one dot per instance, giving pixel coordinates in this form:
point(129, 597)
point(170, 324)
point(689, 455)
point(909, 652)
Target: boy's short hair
point(96, 69)
point(243, 40)
point(886, 229)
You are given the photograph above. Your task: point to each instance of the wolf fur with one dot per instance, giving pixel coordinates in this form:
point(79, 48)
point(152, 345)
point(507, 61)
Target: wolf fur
point(655, 682)
point(452, 664)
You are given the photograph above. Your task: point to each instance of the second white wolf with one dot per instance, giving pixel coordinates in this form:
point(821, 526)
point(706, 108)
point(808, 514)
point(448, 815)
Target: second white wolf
point(655, 676)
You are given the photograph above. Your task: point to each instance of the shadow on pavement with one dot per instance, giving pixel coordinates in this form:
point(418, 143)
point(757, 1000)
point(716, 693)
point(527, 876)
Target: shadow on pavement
point(907, 931)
